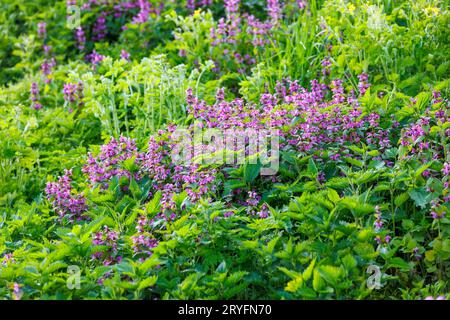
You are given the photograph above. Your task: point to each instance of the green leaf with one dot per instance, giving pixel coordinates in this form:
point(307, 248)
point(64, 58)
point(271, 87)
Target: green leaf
point(419, 196)
point(148, 282)
point(135, 189)
point(331, 274)
point(312, 168)
point(291, 274)
point(318, 283)
point(401, 199)
point(333, 195)
point(295, 284)
point(154, 205)
point(251, 171)
point(354, 162)
point(309, 271)
point(398, 262)
point(349, 262)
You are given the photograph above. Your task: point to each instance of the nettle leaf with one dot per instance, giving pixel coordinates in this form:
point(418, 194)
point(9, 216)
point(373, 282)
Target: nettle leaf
point(398, 262)
point(365, 250)
point(331, 274)
point(354, 162)
point(295, 284)
point(333, 195)
point(150, 263)
point(235, 277)
point(130, 164)
point(154, 205)
point(401, 199)
point(309, 271)
point(251, 171)
point(349, 262)
point(420, 197)
point(271, 245)
point(338, 183)
point(312, 168)
point(422, 100)
point(148, 282)
point(291, 274)
point(54, 267)
point(135, 189)
point(318, 282)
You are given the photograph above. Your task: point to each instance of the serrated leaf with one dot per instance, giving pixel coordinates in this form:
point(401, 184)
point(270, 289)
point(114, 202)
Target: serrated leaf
point(148, 282)
point(309, 271)
point(295, 284)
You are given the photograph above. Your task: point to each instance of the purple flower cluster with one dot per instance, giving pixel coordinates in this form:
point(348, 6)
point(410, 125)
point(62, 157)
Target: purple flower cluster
point(34, 93)
point(327, 127)
point(69, 92)
point(7, 259)
point(238, 30)
point(274, 10)
point(433, 298)
point(194, 4)
point(258, 30)
point(124, 55)
point(171, 178)
point(94, 58)
point(17, 293)
point(107, 239)
point(42, 29)
point(326, 63)
point(99, 30)
point(80, 38)
point(380, 240)
point(421, 144)
point(301, 4)
point(73, 93)
point(65, 201)
point(143, 241)
point(378, 222)
point(109, 162)
point(145, 9)
point(231, 6)
point(363, 83)
point(47, 65)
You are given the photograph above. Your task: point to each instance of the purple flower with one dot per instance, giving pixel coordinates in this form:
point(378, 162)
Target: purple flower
point(42, 29)
point(8, 258)
point(80, 38)
point(69, 91)
point(99, 29)
point(264, 211)
point(363, 84)
point(231, 6)
point(378, 222)
point(34, 93)
point(274, 10)
point(228, 214)
point(65, 201)
point(17, 293)
point(124, 55)
point(446, 169)
point(301, 4)
point(94, 58)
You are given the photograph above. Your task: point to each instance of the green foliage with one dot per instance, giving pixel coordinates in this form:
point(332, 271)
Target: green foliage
point(318, 241)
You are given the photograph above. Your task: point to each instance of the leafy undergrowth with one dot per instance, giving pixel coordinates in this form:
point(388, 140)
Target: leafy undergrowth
point(94, 206)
